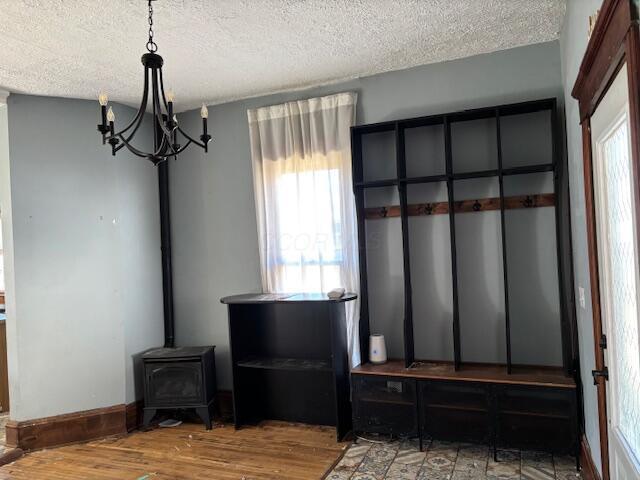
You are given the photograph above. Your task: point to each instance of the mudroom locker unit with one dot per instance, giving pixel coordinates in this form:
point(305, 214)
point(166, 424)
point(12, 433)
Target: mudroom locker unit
point(465, 268)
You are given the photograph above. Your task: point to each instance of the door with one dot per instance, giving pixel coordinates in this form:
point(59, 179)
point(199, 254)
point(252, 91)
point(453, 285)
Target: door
point(619, 281)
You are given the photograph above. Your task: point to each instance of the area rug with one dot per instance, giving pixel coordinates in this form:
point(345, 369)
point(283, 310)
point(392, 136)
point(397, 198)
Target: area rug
point(402, 460)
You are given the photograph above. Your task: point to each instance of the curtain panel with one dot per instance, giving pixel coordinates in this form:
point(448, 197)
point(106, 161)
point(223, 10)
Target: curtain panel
point(301, 157)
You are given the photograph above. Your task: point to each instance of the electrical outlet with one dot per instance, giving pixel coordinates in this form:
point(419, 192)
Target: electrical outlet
point(581, 297)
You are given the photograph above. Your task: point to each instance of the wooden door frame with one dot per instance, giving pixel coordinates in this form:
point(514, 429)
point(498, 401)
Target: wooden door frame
point(614, 41)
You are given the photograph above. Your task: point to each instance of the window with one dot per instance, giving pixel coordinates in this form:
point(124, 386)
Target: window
point(309, 233)
point(301, 158)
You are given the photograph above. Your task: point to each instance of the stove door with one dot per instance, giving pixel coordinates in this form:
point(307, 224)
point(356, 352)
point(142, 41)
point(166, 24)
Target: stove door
point(174, 384)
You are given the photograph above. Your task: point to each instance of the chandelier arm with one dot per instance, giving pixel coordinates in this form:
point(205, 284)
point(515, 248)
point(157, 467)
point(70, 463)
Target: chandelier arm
point(131, 148)
point(156, 103)
point(119, 147)
point(161, 147)
point(170, 144)
point(156, 99)
point(165, 132)
point(176, 128)
point(140, 115)
point(177, 152)
point(139, 152)
point(164, 98)
point(131, 135)
point(185, 135)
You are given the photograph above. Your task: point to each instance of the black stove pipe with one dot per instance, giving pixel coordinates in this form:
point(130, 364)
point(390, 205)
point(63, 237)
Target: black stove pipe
point(165, 247)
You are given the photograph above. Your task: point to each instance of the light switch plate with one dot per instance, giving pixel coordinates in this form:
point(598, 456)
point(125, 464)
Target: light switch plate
point(581, 297)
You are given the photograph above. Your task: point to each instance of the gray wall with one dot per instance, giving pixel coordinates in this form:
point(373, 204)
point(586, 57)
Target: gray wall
point(531, 246)
point(215, 245)
point(573, 43)
point(86, 263)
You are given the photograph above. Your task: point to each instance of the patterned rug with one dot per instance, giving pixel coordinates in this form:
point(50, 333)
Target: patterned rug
point(4, 418)
point(402, 460)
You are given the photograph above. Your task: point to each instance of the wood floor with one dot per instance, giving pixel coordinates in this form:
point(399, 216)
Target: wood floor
point(273, 450)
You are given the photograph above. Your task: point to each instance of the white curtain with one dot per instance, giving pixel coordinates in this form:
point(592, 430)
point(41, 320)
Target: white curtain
point(301, 155)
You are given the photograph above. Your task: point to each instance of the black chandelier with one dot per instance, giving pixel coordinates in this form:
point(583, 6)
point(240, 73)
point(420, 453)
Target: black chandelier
point(165, 138)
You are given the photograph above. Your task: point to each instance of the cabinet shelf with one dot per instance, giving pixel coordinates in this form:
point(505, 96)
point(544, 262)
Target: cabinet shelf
point(545, 167)
point(425, 179)
point(461, 408)
point(477, 373)
point(556, 416)
point(523, 170)
point(291, 364)
point(477, 174)
point(387, 401)
point(377, 183)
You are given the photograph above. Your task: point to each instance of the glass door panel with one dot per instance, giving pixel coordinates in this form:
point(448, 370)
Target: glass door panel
point(618, 274)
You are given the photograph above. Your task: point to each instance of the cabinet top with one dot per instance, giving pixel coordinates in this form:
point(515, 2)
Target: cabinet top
point(285, 298)
point(177, 352)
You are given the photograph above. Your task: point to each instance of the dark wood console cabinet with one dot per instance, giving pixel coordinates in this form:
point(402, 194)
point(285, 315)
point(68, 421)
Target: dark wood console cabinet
point(290, 359)
point(531, 408)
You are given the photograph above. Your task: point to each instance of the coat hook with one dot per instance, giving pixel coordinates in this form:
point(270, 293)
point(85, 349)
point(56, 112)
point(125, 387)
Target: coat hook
point(476, 206)
point(427, 209)
point(528, 202)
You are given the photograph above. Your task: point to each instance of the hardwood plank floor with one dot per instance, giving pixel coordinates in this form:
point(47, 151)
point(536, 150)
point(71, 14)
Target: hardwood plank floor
point(272, 450)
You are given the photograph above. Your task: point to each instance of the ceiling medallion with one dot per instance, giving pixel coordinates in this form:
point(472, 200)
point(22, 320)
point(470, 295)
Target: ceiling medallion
point(165, 138)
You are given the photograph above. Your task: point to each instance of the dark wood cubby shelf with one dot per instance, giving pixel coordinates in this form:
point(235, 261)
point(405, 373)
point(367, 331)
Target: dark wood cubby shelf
point(294, 364)
point(502, 404)
point(552, 162)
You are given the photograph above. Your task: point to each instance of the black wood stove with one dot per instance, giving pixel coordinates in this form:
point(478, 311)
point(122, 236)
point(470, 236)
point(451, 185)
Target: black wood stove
point(179, 378)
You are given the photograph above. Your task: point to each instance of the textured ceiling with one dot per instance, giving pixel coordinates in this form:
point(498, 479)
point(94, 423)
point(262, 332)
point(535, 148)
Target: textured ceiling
point(219, 50)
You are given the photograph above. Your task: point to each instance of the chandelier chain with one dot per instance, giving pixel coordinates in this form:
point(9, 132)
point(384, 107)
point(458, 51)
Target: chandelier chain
point(151, 45)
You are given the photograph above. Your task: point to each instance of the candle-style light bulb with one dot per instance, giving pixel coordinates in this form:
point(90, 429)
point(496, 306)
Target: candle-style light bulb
point(110, 115)
point(103, 128)
point(205, 137)
point(170, 97)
